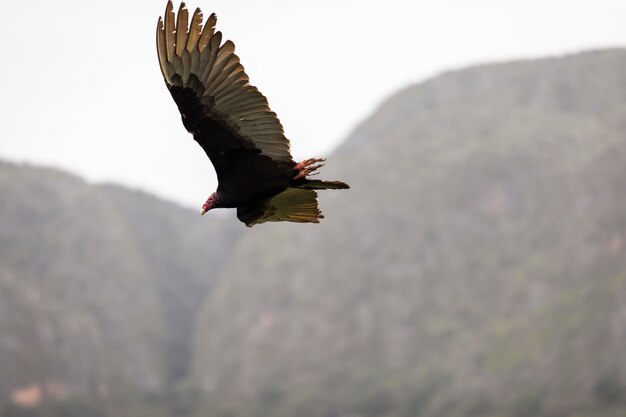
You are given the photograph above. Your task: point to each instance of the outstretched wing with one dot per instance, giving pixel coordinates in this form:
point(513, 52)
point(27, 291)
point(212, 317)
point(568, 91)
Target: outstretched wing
point(292, 205)
point(227, 116)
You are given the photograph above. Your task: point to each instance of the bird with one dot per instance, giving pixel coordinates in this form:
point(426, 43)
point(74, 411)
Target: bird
point(233, 123)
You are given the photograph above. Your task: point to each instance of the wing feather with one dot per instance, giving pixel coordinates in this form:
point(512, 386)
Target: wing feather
point(192, 56)
point(207, 32)
point(169, 30)
point(233, 84)
point(186, 62)
point(195, 29)
point(162, 51)
point(212, 50)
point(222, 61)
point(292, 205)
point(181, 29)
point(195, 60)
point(218, 83)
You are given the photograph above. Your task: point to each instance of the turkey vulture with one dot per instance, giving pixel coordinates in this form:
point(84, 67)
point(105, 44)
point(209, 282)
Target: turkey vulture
point(232, 122)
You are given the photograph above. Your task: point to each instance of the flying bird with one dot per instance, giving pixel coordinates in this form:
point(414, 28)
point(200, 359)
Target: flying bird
point(231, 120)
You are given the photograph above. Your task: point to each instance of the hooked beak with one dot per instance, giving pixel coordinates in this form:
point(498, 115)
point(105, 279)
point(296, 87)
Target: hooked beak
point(202, 211)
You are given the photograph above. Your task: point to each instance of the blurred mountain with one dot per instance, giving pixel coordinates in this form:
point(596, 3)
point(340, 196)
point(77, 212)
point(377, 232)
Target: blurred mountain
point(477, 267)
point(99, 287)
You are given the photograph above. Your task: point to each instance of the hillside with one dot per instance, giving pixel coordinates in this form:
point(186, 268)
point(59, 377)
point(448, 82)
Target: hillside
point(476, 268)
point(99, 288)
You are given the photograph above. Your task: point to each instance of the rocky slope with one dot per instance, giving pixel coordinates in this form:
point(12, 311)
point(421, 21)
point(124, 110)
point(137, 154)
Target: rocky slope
point(99, 286)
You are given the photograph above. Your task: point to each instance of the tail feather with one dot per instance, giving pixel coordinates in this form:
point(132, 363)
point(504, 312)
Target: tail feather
point(323, 185)
point(309, 167)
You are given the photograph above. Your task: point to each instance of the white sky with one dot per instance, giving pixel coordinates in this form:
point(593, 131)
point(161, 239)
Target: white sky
point(80, 86)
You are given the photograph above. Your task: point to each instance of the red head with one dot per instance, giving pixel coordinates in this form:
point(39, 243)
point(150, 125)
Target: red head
point(209, 204)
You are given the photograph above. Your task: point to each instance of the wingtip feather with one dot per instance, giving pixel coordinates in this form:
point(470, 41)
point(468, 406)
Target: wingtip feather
point(182, 23)
point(195, 29)
point(169, 29)
point(207, 32)
point(161, 49)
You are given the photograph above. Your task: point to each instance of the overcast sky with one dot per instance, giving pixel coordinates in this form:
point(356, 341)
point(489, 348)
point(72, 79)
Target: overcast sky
point(81, 87)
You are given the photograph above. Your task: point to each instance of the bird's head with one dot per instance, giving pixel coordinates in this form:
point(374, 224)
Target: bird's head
point(210, 203)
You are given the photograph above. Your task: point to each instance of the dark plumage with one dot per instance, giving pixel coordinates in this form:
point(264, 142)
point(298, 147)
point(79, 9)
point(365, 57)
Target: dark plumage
point(232, 122)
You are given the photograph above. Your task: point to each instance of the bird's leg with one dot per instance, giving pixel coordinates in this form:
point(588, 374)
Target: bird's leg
point(307, 167)
point(308, 162)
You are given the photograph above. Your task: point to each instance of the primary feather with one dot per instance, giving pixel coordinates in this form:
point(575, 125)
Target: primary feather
point(231, 120)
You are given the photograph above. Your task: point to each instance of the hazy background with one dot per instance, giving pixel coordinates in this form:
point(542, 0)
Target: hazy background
point(476, 268)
